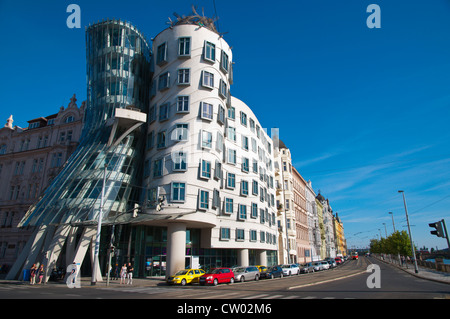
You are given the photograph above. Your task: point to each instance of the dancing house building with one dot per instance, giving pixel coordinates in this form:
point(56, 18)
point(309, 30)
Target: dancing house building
point(176, 171)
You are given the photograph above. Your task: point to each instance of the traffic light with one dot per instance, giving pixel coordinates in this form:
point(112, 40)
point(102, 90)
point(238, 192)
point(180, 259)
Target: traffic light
point(439, 229)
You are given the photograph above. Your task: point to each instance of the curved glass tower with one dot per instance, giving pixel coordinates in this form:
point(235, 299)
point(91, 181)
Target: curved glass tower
point(118, 77)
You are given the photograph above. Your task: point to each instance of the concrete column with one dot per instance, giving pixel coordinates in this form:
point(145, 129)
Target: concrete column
point(176, 247)
point(262, 257)
point(243, 257)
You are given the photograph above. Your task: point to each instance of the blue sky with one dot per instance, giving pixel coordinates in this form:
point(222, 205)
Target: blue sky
point(364, 111)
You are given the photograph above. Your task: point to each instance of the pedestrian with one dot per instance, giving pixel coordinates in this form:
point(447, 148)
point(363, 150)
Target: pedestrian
point(116, 272)
point(33, 271)
point(123, 273)
point(41, 274)
point(130, 274)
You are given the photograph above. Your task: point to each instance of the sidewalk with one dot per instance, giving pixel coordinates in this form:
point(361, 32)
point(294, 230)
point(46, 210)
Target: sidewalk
point(86, 283)
point(424, 273)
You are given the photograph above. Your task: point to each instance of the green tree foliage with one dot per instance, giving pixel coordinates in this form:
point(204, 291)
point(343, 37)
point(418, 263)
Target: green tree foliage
point(397, 243)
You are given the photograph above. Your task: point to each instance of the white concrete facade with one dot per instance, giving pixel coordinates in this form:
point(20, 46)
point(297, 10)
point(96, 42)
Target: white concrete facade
point(208, 160)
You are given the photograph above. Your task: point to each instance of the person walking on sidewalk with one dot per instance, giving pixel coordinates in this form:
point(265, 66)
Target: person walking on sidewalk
point(123, 273)
point(33, 271)
point(41, 274)
point(130, 274)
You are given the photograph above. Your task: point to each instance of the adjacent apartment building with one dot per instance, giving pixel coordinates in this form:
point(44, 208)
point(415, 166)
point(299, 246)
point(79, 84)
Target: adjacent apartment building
point(30, 158)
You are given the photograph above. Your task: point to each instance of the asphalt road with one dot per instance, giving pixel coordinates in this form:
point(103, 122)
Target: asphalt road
point(348, 281)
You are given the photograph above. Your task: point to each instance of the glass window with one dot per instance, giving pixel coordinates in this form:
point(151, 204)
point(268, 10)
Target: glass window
point(163, 81)
point(231, 113)
point(183, 104)
point(245, 164)
point(223, 88)
point(184, 46)
point(161, 139)
point(161, 54)
point(221, 115)
point(206, 139)
point(244, 188)
point(210, 51)
point(231, 156)
point(205, 169)
point(208, 79)
point(180, 133)
point(254, 213)
point(224, 61)
point(164, 112)
point(240, 235)
point(224, 233)
point(204, 199)
point(231, 133)
point(179, 161)
point(228, 206)
point(255, 187)
point(207, 111)
point(178, 192)
point(158, 168)
point(184, 76)
point(231, 180)
point(243, 119)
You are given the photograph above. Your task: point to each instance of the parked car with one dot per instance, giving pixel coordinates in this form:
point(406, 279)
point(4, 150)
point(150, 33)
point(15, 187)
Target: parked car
point(217, 276)
point(306, 268)
point(338, 260)
point(290, 269)
point(186, 276)
point(325, 264)
point(246, 273)
point(317, 266)
point(273, 272)
point(332, 263)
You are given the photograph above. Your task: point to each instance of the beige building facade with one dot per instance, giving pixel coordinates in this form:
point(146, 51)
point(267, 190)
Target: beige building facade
point(30, 158)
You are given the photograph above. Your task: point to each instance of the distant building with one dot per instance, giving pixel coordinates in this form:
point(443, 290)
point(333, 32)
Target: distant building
point(287, 236)
point(301, 218)
point(30, 158)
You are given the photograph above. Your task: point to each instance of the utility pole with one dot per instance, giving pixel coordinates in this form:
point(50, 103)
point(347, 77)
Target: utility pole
point(416, 269)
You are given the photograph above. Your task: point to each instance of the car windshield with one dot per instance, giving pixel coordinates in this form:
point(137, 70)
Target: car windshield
point(239, 269)
point(285, 266)
point(216, 271)
point(272, 268)
point(182, 272)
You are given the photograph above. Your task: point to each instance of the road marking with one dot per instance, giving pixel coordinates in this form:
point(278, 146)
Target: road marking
point(310, 297)
point(325, 281)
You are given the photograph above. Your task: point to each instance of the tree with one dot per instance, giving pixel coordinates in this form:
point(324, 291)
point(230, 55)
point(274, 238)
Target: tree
point(397, 243)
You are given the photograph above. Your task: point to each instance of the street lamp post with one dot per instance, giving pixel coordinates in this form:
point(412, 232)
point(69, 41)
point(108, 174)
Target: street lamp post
point(99, 228)
point(393, 224)
point(416, 269)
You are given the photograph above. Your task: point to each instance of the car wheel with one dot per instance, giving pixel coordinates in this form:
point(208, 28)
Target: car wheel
point(272, 276)
point(231, 280)
point(289, 273)
point(281, 275)
point(183, 282)
point(256, 278)
point(242, 279)
point(216, 282)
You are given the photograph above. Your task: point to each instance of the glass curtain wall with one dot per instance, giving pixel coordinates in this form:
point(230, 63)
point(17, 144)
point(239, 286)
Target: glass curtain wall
point(118, 76)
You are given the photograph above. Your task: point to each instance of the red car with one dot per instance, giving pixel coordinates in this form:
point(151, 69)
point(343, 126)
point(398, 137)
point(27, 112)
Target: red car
point(217, 276)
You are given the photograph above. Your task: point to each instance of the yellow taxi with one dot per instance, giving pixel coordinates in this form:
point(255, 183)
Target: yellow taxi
point(261, 268)
point(186, 276)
